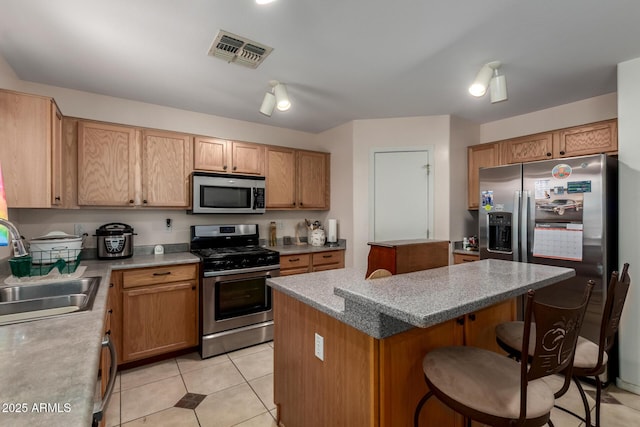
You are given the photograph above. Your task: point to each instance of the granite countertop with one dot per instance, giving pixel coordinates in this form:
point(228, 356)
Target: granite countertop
point(53, 363)
point(405, 242)
point(306, 248)
point(386, 306)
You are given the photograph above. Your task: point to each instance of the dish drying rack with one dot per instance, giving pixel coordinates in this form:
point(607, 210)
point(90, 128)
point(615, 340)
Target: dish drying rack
point(42, 263)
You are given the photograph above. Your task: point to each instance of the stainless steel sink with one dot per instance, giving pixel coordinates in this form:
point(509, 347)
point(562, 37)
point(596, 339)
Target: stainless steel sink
point(33, 301)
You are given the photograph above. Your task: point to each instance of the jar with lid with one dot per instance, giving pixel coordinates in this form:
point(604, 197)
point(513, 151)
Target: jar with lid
point(272, 234)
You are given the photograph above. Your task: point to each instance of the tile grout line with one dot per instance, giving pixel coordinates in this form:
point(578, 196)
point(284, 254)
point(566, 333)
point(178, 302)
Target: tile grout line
point(249, 384)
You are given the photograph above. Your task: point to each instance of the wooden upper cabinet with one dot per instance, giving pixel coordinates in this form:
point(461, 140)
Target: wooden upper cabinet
point(210, 154)
point(280, 178)
point(29, 129)
point(528, 148)
point(479, 156)
point(106, 164)
point(247, 158)
point(313, 180)
point(601, 137)
point(297, 179)
point(220, 155)
point(166, 166)
point(57, 155)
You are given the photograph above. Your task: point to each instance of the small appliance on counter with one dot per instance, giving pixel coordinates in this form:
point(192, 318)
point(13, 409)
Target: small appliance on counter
point(114, 240)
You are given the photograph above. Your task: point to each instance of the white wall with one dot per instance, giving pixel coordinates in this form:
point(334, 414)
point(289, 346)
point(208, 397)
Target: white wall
point(339, 141)
point(463, 134)
point(576, 113)
point(400, 132)
point(629, 220)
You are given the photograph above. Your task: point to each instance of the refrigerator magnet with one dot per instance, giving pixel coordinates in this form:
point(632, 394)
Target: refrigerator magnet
point(487, 199)
point(561, 171)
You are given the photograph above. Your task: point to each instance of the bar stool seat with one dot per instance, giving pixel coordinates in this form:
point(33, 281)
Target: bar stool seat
point(484, 382)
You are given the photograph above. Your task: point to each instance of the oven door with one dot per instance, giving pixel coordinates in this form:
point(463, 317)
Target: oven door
point(235, 300)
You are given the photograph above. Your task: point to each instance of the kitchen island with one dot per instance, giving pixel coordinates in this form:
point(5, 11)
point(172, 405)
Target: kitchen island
point(348, 351)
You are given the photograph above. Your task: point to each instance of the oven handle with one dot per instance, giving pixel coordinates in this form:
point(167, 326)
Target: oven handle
point(271, 270)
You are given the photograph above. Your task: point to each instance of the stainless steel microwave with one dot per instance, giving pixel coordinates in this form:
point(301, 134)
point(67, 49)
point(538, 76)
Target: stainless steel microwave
point(224, 194)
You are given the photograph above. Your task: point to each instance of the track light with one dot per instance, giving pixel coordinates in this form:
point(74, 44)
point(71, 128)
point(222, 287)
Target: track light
point(488, 77)
point(282, 97)
point(277, 98)
point(268, 104)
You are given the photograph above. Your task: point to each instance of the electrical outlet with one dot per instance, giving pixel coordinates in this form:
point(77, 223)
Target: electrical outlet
point(319, 347)
point(78, 229)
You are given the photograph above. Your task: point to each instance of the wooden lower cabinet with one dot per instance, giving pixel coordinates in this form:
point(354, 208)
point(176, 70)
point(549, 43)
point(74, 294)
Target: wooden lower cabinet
point(362, 381)
point(405, 256)
point(157, 310)
point(462, 258)
point(308, 262)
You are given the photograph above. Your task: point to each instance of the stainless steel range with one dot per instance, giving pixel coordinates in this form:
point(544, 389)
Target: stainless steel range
point(235, 301)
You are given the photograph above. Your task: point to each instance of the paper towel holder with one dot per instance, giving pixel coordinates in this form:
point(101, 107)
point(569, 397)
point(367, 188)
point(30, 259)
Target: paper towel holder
point(332, 233)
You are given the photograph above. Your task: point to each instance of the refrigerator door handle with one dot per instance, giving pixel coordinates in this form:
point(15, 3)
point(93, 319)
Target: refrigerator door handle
point(526, 197)
point(514, 226)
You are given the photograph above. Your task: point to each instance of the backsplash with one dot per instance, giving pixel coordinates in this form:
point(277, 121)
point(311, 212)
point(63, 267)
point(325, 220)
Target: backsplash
point(150, 225)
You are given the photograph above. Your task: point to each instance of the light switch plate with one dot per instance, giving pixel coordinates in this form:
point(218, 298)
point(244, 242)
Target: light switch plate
point(319, 347)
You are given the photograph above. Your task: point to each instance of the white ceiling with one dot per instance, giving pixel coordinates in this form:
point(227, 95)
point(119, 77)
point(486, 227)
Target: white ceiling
point(341, 59)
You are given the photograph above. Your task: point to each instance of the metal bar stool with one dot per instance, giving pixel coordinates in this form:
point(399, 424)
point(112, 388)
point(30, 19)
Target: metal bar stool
point(492, 389)
point(591, 358)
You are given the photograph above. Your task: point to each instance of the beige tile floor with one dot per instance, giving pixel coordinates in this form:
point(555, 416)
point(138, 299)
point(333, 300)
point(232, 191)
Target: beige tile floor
point(239, 392)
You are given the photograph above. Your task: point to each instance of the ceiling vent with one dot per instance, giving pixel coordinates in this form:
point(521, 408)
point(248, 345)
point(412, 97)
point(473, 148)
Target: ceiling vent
point(240, 50)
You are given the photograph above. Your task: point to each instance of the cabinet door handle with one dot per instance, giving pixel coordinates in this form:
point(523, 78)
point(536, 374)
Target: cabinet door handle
point(110, 311)
point(131, 201)
point(472, 317)
point(562, 153)
point(193, 288)
point(548, 154)
point(235, 168)
point(294, 203)
point(58, 198)
point(108, 332)
point(460, 320)
point(301, 204)
point(327, 256)
point(164, 273)
point(224, 167)
point(144, 201)
point(111, 285)
point(294, 259)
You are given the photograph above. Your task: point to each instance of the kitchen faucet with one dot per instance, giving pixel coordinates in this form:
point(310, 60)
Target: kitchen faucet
point(18, 247)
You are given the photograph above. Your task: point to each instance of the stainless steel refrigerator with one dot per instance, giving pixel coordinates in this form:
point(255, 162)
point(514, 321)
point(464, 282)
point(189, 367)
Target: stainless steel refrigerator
point(560, 212)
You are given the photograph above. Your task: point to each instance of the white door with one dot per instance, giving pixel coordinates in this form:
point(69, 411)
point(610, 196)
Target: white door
point(401, 194)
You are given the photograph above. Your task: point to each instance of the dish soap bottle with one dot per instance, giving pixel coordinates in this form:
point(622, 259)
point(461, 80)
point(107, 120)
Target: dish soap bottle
point(272, 234)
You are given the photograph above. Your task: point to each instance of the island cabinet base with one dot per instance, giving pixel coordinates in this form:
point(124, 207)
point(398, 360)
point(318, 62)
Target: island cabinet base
point(364, 381)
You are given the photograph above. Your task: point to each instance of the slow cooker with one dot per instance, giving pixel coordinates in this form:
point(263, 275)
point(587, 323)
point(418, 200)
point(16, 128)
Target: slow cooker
point(115, 240)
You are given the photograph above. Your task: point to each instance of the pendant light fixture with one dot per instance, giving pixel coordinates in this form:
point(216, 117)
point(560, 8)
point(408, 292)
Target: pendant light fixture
point(278, 98)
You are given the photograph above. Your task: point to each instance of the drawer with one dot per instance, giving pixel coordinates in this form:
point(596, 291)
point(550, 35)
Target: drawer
point(332, 257)
point(460, 258)
point(294, 261)
point(159, 275)
point(292, 271)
